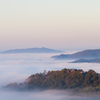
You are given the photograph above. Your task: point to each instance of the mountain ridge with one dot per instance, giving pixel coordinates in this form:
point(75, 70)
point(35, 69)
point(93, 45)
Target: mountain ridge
point(31, 50)
point(85, 54)
point(86, 61)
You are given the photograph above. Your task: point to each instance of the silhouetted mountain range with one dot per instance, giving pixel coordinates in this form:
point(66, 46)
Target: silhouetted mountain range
point(32, 50)
point(86, 54)
point(87, 61)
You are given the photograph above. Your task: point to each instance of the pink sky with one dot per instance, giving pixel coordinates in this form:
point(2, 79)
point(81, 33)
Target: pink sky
point(59, 24)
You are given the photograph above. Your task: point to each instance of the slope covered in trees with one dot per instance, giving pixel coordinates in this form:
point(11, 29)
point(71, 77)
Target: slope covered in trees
point(64, 79)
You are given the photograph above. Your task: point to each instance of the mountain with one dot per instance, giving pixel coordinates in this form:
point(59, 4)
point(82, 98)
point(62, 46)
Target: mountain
point(86, 54)
point(87, 61)
point(32, 50)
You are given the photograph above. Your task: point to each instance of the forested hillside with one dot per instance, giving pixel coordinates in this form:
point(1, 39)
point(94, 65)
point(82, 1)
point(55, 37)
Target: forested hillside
point(64, 79)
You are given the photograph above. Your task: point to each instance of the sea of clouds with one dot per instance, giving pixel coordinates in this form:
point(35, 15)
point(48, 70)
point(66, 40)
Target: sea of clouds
point(43, 95)
point(18, 67)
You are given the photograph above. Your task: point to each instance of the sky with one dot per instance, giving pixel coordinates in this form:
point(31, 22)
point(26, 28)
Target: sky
point(57, 24)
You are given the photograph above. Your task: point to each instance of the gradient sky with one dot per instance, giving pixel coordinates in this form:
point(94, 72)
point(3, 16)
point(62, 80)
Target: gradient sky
point(58, 24)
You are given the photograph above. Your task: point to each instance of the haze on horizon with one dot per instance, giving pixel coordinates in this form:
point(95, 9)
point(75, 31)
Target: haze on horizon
point(57, 24)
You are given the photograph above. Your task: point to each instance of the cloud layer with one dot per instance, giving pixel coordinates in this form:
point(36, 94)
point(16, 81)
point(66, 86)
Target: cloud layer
point(43, 95)
point(17, 67)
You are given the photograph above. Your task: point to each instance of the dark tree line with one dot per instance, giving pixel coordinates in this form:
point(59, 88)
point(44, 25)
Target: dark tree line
point(64, 79)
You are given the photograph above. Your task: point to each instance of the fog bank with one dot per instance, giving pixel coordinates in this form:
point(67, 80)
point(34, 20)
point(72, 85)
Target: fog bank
point(17, 67)
point(43, 95)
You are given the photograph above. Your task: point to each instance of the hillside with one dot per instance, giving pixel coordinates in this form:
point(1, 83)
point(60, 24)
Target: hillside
point(32, 50)
point(64, 79)
point(87, 61)
point(86, 54)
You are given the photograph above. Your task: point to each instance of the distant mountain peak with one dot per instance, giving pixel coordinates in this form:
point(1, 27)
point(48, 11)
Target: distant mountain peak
point(86, 61)
point(43, 47)
point(86, 54)
point(32, 50)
